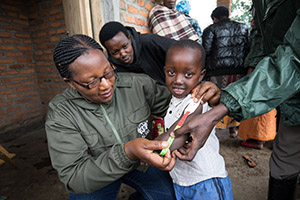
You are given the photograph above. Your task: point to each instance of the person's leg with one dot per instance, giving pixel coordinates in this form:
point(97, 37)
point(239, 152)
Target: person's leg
point(285, 163)
point(154, 184)
point(108, 192)
point(214, 188)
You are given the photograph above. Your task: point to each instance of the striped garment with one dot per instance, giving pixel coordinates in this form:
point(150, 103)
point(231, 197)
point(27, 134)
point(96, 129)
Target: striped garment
point(170, 23)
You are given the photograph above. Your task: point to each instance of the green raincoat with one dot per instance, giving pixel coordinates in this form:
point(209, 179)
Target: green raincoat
point(276, 78)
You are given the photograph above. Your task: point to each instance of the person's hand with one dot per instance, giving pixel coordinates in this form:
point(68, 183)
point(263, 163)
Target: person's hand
point(211, 93)
point(143, 150)
point(199, 126)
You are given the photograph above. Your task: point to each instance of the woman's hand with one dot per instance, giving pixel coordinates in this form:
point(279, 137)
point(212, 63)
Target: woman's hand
point(199, 126)
point(143, 150)
point(210, 92)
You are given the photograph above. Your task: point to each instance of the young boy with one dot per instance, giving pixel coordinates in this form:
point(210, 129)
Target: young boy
point(205, 176)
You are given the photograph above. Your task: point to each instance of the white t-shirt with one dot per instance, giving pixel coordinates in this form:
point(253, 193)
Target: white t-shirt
point(207, 163)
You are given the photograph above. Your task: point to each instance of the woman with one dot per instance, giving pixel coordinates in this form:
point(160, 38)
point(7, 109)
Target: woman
point(97, 127)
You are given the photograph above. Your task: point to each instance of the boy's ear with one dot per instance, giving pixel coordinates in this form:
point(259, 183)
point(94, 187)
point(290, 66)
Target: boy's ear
point(202, 74)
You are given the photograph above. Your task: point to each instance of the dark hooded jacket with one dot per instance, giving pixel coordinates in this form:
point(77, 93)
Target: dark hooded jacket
point(226, 44)
point(149, 55)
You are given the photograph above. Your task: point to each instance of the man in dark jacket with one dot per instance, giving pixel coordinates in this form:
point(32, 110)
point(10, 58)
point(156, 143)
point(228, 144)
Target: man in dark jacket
point(226, 44)
point(131, 51)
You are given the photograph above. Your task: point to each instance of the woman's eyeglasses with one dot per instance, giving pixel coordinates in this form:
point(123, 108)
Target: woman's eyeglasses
point(97, 81)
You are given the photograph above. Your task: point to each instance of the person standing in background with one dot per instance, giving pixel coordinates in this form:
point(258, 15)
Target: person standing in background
point(185, 7)
point(165, 20)
point(226, 44)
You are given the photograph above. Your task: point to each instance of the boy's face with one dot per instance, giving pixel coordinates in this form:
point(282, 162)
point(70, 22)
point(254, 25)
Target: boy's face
point(183, 70)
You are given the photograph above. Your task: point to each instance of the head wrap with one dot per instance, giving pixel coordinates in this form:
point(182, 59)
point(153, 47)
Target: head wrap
point(183, 6)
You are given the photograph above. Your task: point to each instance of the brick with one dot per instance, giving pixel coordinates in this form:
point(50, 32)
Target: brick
point(23, 100)
point(12, 27)
point(44, 27)
point(26, 71)
point(21, 113)
point(21, 47)
point(141, 3)
point(7, 91)
point(6, 60)
point(2, 67)
point(14, 95)
point(57, 2)
point(148, 6)
point(61, 30)
point(55, 38)
point(15, 54)
point(17, 66)
point(144, 13)
point(5, 34)
point(13, 85)
point(10, 72)
point(139, 22)
point(59, 16)
point(9, 7)
point(24, 60)
point(132, 9)
point(13, 109)
point(122, 5)
point(5, 20)
point(54, 11)
point(6, 48)
point(21, 22)
point(52, 32)
point(22, 89)
point(41, 34)
point(22, 35)
point(128, 18)
point(28, 53)
point(5, 104)
point(27, 41)
point(5, 80)
point(20, 78)
point(12, 14)
point(21, 16)
point(55, 24)
point(46, 5)
point(11, 41)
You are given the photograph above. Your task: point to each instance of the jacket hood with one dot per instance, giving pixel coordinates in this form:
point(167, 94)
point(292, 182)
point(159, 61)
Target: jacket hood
point(136, 45)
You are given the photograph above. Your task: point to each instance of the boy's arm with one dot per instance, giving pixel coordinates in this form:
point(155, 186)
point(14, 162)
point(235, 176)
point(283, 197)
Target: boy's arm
point(178, 141)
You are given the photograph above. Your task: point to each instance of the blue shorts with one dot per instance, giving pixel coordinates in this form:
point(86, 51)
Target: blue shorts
point(214, 188)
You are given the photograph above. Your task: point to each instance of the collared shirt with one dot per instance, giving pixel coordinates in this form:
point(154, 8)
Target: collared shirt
point(208, 163)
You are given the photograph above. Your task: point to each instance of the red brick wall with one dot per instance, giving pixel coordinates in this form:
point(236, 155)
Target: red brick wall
point(29, 30)
point(226, 3)
point(135, 13)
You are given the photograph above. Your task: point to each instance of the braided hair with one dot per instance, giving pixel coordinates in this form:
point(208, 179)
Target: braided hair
point(69, 49)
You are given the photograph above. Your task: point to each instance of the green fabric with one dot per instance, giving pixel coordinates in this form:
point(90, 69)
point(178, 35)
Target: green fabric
point(82, 145)
point(274, 82)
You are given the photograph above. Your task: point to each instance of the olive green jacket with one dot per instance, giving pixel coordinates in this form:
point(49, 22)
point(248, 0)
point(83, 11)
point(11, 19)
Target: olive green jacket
point(86, 140)
point(275, 80)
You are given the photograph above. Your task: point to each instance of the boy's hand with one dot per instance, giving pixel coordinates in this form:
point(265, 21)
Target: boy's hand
point(210, 92)
point(143, 150)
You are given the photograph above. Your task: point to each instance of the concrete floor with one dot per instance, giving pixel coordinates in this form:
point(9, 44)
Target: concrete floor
point(35, 179)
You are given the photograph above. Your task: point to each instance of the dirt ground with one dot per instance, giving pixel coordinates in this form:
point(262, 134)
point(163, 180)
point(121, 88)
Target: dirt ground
point(35, 179)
